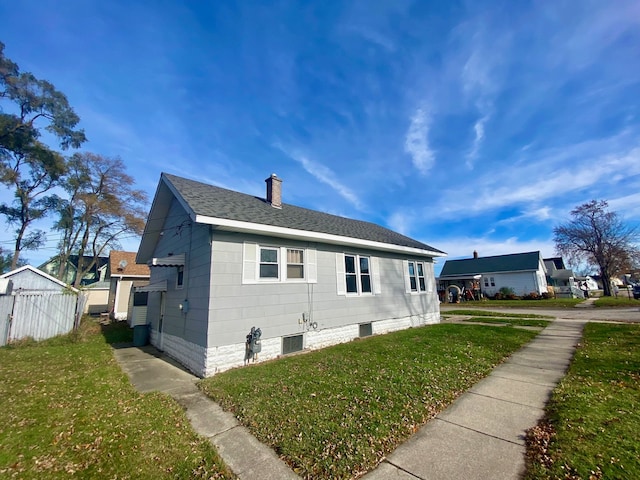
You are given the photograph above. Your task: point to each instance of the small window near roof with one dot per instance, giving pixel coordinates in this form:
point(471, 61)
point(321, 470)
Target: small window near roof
point(180, 277)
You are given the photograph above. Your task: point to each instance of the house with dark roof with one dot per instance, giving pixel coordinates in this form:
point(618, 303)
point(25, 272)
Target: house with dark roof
point(523, 273)
point(93, 275)
point(225, 264)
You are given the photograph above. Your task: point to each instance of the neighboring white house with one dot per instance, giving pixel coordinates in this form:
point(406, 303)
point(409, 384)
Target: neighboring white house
point(524, 273)
point(223, 262)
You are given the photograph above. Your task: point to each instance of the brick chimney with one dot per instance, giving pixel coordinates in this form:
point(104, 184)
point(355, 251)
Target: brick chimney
point(274, 191)
point(475, 254)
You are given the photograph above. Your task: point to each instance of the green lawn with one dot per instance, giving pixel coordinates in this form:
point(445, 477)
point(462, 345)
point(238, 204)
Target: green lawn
point(542, 303)
point(485, 313)
point(593, 418)
point(69, 410)
point(336, 412)
point(516, 322)
point(622, 300)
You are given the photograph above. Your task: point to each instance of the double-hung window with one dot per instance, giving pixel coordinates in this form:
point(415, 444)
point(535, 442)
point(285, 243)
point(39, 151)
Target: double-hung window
point(416, 277)
point(295, 263)
point(357, 273)
point(417, 280)
point(268, 263)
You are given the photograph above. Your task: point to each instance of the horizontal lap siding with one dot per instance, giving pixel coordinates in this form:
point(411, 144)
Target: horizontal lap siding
point(181, 235)
point(277, 308)
point(522, 283)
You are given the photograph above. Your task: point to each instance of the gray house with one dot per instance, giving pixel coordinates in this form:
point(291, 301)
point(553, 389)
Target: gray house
point(524, 273)
point(223, 262)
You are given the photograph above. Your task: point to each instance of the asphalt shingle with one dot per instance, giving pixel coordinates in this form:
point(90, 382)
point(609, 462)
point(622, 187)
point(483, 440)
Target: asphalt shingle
point(215, 202)
point(515, 262)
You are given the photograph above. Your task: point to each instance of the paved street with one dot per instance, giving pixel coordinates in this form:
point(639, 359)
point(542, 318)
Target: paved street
point(584, 314)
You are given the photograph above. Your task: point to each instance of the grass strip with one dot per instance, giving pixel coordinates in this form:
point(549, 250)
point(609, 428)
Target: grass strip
point(593, 418)
point(69, 410)
point(621, 301)
point(520, 322)
point(519, 303)
point(336, 412)
point(485, 313)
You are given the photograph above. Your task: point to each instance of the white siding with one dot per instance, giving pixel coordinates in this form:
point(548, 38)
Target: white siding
point(522, 283)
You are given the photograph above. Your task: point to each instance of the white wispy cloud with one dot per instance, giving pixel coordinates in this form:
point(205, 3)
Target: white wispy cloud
point(564, 176)
point(417, 141)
point(478, 128)
point(324, 174)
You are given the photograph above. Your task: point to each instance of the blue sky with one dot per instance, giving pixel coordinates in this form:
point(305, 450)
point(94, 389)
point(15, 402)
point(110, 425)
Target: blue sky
point(466, 125)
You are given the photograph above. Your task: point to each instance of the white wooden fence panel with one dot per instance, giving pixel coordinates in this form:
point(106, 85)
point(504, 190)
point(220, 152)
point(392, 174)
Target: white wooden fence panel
point(38, 314)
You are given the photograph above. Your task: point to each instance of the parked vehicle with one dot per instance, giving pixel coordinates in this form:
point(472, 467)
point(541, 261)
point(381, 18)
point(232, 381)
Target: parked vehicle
point(636, 291)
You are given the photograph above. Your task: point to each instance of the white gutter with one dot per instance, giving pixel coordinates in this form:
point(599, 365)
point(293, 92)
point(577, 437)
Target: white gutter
point(304, 235)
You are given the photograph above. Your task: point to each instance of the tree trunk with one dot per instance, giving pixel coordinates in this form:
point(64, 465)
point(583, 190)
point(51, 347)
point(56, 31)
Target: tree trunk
point(606, 285)
point(16, 251)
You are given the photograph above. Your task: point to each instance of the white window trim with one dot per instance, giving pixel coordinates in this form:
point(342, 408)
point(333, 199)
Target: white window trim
point(429, 279)
point(341, 275)
point(251, 264)
point(278, 264)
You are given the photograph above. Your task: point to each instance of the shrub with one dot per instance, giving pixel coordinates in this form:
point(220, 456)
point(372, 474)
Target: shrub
point(507, 293)
point(532, 296)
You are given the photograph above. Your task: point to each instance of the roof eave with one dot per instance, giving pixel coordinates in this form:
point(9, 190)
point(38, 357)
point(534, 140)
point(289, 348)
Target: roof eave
point(304, 235)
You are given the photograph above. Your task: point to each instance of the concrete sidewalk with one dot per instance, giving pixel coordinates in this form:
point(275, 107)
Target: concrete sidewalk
point(482, 434)
point(150, 370)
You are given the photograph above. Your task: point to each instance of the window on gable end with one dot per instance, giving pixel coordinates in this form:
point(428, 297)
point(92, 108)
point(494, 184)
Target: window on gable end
point(180, 277)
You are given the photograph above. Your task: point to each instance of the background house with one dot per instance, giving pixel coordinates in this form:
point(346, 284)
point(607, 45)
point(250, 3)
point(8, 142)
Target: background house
point(524, 273)
point(36, 305)
point(95, 274)
point(124, 274)
point(223, 262)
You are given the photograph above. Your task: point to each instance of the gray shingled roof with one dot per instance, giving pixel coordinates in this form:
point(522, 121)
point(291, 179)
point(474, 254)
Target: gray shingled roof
point(216, 202)
point(516, 262)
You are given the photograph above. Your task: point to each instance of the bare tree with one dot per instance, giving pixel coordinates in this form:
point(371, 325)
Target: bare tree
point(103, 206)
point(598, 237)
